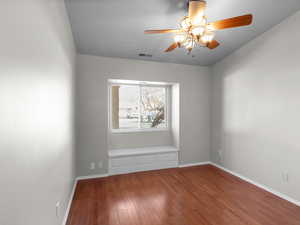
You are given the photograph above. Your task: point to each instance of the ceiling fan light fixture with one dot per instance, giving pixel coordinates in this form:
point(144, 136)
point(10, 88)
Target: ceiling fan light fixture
point(179, 38)
point(189, 42)
point(185, 23)
point(189, 45)
point(198, 30)
point(208, 37)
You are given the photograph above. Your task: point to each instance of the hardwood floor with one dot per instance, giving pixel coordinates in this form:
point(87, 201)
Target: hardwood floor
point(202, 195)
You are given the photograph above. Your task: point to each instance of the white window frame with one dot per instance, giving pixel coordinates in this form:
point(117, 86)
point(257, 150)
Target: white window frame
point(135, 130)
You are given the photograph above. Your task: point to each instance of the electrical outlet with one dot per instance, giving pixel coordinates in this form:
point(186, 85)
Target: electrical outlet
point(100, 164)
point(57, 209)
point(92, 166)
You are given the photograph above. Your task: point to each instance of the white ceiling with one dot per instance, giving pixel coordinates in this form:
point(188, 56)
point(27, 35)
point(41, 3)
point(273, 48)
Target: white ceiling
point(114, 28)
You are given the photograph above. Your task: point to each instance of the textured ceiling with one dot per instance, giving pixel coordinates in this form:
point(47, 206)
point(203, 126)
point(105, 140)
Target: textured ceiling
point(114, 28)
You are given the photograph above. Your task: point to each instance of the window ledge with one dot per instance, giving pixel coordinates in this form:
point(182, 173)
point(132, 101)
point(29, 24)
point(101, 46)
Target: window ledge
point(124, 131)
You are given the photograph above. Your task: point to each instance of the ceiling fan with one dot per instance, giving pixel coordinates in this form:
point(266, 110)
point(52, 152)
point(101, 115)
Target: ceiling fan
point(195, 30)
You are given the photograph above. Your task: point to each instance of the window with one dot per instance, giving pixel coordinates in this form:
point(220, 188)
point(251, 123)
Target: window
point(135, 107)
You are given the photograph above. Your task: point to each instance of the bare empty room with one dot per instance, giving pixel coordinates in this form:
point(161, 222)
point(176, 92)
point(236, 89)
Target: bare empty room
point(159, 112)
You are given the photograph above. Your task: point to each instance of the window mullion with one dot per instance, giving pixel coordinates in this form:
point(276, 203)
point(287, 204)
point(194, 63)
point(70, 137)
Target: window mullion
point(140, 103)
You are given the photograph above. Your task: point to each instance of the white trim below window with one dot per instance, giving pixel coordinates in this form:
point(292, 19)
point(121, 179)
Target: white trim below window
point(138, 130)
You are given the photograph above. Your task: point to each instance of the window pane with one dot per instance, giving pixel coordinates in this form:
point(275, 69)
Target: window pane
point(128, 107)
point(153, 104)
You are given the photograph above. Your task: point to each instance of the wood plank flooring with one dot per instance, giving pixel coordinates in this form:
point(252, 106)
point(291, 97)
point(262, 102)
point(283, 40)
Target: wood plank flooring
point(202, 195)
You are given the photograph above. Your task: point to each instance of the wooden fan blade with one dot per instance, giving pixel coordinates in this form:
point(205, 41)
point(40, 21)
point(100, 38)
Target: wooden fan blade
point(172, 47)
point(162, 31)
point(232, 22)
point(213, 44)
point(196, 11)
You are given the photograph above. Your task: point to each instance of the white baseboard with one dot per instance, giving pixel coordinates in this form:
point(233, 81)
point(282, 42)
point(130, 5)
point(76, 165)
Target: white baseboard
point(64, 222)
point(268, 189)
point(92, 176)
point(193, 164)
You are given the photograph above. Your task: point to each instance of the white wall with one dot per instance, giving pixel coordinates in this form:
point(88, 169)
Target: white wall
point(139, 139)
point(92, 107)
point(256, 108)
point(36, 111)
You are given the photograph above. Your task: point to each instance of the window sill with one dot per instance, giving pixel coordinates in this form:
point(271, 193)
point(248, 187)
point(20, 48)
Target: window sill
point(125, 131)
